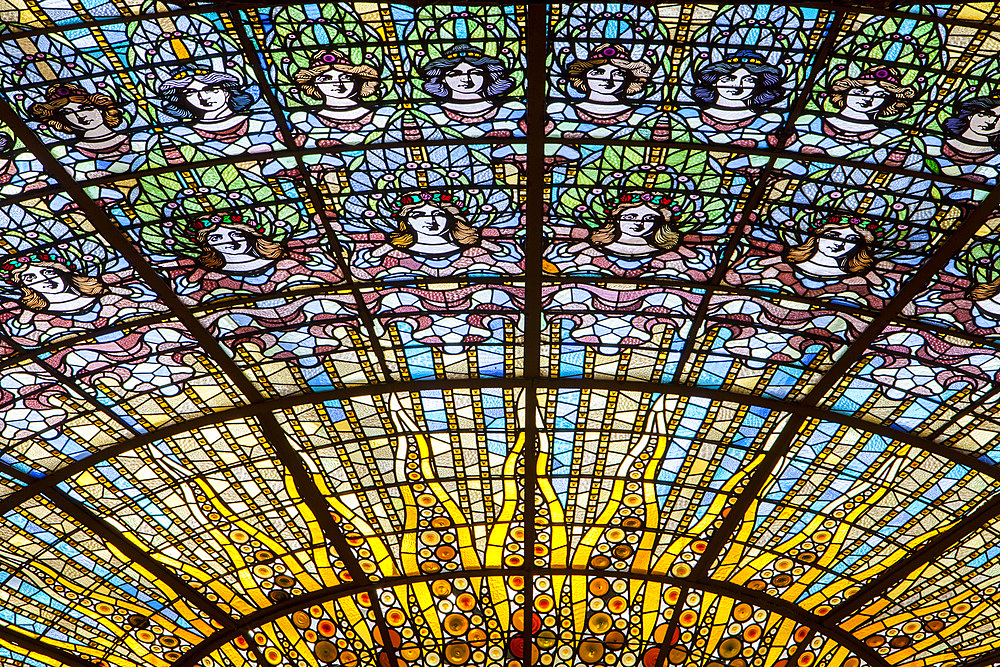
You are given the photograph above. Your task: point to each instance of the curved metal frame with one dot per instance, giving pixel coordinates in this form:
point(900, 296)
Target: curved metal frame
point(262, 407)
point(786, 609)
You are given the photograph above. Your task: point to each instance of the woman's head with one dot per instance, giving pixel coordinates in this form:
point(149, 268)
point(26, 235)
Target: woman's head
point(45, 279)
point(69, 108)
point(846, 241)
point(877, 92)
point(609, 71)
point(466, 71)
point(228, 237)
point(642, 215)
point(437, 215)
point(331, 75)
point(745, 78)
point(981, 115)
point(196, 92)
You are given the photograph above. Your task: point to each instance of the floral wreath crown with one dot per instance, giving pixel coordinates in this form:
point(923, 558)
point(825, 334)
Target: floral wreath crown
point(329, 57)
point(747, 57)
point(880, 74)
point(463, 51)
point(426, 197)
point(194, 227)
point(650, 198)
point(609, 51)
point(873, 227)
point(64, 90)
point(189, 70)
point(8, 267)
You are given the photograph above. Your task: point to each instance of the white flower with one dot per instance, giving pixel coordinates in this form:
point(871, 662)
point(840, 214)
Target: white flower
point(912, 379)
point(21, 423)
point(611, 331)
point(452, 331)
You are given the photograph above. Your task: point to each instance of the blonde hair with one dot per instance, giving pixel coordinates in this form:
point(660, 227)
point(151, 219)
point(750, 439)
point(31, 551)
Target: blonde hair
point(902, 96)
point(857, 261)
point(50, 111)
point(210, 258)
point(985, 291)
point(85, 285)
point(662, 236)
point(306, 76)
point(462, 232)
point(638, 72)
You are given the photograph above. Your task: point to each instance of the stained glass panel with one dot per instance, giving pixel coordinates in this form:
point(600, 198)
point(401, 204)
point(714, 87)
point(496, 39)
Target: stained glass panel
point(422, 334)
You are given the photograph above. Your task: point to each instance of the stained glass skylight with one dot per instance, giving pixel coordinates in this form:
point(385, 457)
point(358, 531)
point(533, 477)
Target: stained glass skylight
point(431, 335)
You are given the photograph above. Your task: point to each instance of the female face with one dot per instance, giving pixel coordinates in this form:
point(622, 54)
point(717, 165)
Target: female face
point(639, 220)
point(428, 220)
point(229, 241)
point(205, 97)
point(736, 86)
point(838, 242)
point(44, 280)
point(335, 84)
point(606, 79)
point(465, 78)
point(985, 122)
point(866, 99)
point(82, 116)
